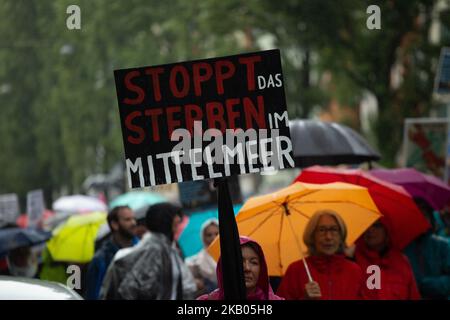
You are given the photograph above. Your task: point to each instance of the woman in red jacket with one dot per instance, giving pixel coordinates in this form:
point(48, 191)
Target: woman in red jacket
point(396, 280)
point(334, 277)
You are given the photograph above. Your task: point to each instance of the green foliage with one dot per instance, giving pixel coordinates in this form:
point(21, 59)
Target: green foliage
point(60, 122)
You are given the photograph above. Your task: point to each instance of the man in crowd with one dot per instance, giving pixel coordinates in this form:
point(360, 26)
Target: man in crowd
point(152, 270)
point(122, 222)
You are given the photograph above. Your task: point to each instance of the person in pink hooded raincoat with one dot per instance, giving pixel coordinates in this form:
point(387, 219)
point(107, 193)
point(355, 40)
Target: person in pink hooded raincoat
point(255, 274)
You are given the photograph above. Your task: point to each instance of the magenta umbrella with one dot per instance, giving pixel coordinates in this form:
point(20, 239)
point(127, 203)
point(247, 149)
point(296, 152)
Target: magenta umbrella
point(417, 184)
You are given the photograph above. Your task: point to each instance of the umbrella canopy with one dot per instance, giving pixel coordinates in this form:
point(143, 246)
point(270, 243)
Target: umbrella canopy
point(78, 204)
point(137, 199)
point(418, 184)
point(13, 238)
point(277, 221)
point(139, 212)
point(190, 239)
point(405, 220)
point(328, 143)
point(74, 241)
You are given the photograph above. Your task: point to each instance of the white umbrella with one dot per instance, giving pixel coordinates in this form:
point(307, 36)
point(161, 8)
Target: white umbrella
point(79, 204)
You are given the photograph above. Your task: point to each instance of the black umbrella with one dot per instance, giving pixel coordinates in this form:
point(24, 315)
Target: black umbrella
point(13, 238)
point(328, 143)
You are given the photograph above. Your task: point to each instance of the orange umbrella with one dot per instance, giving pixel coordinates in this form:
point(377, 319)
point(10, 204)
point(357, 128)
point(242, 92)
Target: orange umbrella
point(405, 220)
point(277, 221)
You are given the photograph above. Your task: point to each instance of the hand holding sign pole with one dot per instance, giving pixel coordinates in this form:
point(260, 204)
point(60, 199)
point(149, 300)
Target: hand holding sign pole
point(206, 119)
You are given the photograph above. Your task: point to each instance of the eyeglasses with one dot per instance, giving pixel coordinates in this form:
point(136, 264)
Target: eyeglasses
point(334, 230)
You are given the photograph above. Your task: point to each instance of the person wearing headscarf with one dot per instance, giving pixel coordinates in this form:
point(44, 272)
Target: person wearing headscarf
point(334, 277)
point(396, 279)
point(153, 269)
point(255, 274)
point(202, 265)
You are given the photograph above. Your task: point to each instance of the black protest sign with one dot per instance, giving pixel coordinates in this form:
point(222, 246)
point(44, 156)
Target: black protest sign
point(204, 119)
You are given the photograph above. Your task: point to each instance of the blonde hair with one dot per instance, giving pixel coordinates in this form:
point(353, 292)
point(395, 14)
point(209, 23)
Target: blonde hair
point(310, 229)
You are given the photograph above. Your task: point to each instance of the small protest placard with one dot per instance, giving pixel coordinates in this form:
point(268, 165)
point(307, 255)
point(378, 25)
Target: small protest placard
point(204, 119)
point(9, 208)
point(442, 81)
point(35, 207)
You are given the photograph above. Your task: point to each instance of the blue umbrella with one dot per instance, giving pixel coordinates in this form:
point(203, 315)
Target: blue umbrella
point(190, 240)
point(13, 238)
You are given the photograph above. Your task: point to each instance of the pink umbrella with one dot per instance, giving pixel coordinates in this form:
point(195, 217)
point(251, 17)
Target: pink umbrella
point(418, 184)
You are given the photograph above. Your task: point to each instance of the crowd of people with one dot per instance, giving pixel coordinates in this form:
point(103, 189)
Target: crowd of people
point(152, 266)
point(155, 268)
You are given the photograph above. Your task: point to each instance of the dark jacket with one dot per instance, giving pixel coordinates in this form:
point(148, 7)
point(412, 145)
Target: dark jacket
point(145, 272)
point(98, 266)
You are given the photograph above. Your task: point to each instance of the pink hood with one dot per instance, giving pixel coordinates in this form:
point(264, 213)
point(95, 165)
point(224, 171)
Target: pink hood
point(264, 290)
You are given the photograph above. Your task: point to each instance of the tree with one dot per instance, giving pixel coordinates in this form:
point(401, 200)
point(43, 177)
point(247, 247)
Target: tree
point(20, 65)
point(362, 59)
